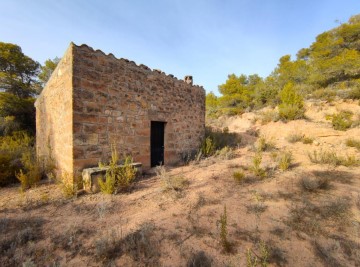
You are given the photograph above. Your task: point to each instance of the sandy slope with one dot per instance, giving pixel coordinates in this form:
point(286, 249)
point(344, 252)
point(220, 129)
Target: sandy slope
point(296, 227)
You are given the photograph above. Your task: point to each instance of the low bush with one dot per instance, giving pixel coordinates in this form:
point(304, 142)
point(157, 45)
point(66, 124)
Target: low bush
point(353, 93)
point(285, 160)
point(225, 153)
point(292, 104)
point(325, 94)
point(291, 112)
point(314, 183)
point(307, 140)
point(256, 167)
point(269, 116)
point(34, 171)
point(67, 185)
point(341, 121)
point(170, 182)
point(207, 147)
point(353, 143)
point(331, 158)
point(224, 231)
point(12, 148)
point(262, 144)
point(117, 177)
point(239, 176)
point(294, 137)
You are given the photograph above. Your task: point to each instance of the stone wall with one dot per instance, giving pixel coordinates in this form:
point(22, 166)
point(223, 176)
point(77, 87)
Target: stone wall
point(93, 101)
point(54, 117)
point(115, 101)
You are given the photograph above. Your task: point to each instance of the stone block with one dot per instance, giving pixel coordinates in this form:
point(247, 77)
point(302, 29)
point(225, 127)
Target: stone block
point(90, 176)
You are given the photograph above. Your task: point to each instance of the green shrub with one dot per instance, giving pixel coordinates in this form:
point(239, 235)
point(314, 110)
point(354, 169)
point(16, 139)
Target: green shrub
point(313, 184)
point(225, 153)
point(292, 104)
point(331, 158)
point(109, 185)
point(208, 147)
point(224, 231)
point(268, 116)
point(325, 94)
point(341, 121)
point(256, 168)
point(290, 112)
point(294, 137)
point(353, 143)
point(117, 177)
point(34, 171)
point(353, 93)
point(222, 138)
point(239, 176)
point(307, 140)
point(12, 148)
point(8, 168)
point(67, 185)
point(263, 144)
point(285, 160)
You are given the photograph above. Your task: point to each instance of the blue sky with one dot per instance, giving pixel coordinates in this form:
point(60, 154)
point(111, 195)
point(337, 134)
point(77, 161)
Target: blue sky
point(206, 39)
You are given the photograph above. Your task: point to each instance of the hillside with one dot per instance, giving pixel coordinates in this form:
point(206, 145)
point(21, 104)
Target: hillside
point(329, 68)
point(306, 214)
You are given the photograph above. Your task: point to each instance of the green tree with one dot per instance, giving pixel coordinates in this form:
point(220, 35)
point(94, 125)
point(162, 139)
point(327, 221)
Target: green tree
point(18, 72)
point(292, 103)
point(211, 100)
point(335, 55)
point(18, 86)
point(48, 69)
point(16, 113)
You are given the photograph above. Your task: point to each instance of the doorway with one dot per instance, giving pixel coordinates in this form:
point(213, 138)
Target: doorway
point(157, 143)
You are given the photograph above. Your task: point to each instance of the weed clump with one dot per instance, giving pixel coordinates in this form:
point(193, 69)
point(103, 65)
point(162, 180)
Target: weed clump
point(117, 177)
point(207, 147)
point(67, 185)
point(331, 158)
point(263, 144)
point(170, 182)
point(295, 137)
point(299, 137)
point(353, 143)
point(269, 116)
point(239, 176)
point(224, 231)
point(341, 121)
point(285, 160)
point(313, 184)
point(256, 168)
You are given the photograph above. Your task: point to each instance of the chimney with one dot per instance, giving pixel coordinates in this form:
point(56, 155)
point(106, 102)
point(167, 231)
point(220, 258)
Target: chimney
point(188, 79)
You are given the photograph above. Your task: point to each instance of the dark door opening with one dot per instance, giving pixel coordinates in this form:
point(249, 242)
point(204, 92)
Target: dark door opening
point(157, 143)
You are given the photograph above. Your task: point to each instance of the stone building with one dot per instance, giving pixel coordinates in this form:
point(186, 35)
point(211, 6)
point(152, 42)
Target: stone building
point(93, 101)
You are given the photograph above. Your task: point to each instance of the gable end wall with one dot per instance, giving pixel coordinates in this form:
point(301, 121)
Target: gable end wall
point(54, 118)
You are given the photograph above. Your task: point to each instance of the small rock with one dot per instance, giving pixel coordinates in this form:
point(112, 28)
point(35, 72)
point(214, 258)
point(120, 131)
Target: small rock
point(316, 143)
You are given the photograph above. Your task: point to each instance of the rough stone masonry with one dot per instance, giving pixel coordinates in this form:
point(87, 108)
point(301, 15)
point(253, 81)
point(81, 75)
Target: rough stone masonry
point(93, 101)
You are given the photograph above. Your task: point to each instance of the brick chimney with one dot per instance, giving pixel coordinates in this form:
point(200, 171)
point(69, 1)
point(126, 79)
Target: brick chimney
point(188, 79)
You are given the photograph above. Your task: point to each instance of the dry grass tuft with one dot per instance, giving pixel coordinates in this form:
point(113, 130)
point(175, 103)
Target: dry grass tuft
point(331, 158)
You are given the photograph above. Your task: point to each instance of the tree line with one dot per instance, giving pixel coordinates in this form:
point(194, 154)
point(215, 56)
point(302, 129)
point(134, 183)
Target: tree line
point(21, 80)
point(328, 68)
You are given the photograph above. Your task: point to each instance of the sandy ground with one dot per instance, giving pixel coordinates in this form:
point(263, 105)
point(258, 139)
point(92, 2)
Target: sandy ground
point(273, 220)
